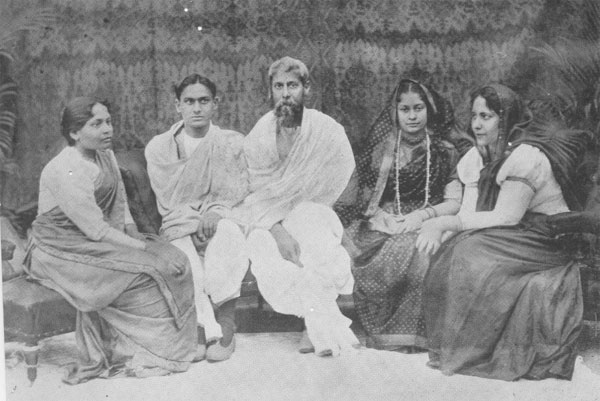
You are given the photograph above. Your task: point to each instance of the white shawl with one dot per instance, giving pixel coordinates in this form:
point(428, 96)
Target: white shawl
point(317, 169)
point(213, 177)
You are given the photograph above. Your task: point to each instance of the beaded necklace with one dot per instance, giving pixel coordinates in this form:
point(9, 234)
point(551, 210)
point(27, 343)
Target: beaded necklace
point(427, 171)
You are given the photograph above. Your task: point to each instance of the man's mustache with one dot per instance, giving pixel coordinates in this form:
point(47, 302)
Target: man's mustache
point(282, 103)
point(287, 107)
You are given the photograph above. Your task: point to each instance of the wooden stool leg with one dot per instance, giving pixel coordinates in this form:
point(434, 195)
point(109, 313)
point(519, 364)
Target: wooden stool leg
point(30, 351)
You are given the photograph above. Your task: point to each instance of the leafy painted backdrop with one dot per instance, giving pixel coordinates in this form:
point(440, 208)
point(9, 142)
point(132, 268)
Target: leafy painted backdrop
point(132, 51)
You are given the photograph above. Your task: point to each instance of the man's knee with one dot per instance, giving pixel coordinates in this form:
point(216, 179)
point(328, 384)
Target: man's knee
point(228, 228)
point(258, 238)
point(309, 209)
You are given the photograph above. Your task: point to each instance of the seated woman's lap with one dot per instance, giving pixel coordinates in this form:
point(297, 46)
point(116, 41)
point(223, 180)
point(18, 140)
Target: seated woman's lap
point(143, 298)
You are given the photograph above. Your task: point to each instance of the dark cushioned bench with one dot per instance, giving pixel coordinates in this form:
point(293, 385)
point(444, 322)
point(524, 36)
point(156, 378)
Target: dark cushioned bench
point(33, 312)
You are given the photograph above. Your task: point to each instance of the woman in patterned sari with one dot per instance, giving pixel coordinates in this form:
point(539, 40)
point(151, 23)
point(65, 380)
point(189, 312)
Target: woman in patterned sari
point(406, 176)
point(134, 296)
point(502, 299)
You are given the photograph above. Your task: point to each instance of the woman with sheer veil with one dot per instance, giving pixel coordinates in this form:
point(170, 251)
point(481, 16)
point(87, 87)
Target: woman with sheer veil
point(406, 176)
point(502, 299)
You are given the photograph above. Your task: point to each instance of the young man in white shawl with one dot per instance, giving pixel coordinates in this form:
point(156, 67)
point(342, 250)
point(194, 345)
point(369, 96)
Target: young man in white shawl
point(198, 172)
point(299, 163)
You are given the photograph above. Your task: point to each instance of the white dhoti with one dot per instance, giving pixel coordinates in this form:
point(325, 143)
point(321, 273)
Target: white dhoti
point(310, 291)
point(218, 275)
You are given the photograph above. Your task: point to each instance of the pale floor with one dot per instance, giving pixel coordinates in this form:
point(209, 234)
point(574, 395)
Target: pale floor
point(267, 366)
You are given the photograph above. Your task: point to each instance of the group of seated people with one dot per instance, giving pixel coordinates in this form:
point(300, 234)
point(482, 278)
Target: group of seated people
point(443, 252)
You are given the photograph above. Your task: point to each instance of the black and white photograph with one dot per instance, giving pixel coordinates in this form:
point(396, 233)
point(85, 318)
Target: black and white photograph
point(300, 200)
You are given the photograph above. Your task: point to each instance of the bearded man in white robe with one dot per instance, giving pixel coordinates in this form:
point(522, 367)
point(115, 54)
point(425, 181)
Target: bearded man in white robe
point(299, 163)
point(198, 173)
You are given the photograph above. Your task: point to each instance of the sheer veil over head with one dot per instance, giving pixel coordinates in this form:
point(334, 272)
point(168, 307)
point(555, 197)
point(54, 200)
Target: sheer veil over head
point(563, 147)
point(512, 112)
point(378, 146)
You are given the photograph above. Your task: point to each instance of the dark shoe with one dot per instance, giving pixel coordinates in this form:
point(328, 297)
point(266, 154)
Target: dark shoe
point(324, 353)
point(201, 335)
point(200, 353)
point(226, 318)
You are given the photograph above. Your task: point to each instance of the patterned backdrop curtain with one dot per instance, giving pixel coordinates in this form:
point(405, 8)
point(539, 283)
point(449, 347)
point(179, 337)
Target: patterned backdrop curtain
point(132, 51)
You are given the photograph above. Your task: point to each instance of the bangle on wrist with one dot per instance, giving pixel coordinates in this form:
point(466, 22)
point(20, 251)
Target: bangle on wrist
point(428, 213)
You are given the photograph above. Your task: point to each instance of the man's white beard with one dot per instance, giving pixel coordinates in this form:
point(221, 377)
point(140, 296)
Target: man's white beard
point(288, 113)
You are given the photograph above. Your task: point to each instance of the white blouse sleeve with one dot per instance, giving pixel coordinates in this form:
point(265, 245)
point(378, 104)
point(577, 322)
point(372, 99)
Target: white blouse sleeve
point(523, 173)
point(468, 169)
point(528, 165)
point(72, 186)
point(453, 191)
point(70, 182)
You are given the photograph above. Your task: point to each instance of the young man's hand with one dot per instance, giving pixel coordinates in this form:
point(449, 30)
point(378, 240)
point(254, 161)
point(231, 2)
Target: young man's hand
point(208, 225)
point(132, 231)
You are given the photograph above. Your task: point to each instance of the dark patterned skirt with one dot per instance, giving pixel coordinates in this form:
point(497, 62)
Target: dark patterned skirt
point(503, 303)
point(389, 275)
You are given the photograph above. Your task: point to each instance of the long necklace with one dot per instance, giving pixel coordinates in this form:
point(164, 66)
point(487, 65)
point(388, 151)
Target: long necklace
point(427, 171)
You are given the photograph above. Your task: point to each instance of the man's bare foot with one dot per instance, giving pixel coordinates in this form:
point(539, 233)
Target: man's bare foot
point(306, 346)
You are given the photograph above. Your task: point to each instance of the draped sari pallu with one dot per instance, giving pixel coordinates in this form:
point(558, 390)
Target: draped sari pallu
point(135, 308)
point(505, 302)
